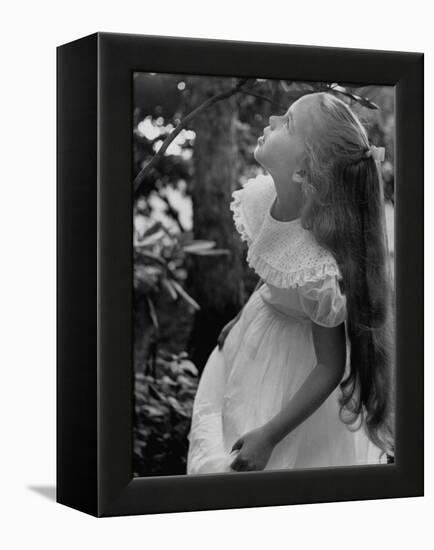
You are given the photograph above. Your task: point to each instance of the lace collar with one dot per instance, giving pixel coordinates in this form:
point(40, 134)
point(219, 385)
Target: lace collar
point(282, 253)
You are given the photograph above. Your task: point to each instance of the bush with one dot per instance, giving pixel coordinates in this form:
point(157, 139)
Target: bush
point(163, 409)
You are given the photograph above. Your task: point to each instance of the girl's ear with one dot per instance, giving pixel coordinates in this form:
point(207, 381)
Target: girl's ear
point(299, 176)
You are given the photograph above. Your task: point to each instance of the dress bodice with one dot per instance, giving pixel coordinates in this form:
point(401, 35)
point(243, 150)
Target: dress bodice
point(285, 302)
point(301, 278)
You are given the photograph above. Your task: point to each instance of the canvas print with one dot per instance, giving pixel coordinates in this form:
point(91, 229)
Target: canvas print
point(264, 297)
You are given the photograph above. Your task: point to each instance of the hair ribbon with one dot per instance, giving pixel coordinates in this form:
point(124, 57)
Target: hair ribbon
point(377, 153)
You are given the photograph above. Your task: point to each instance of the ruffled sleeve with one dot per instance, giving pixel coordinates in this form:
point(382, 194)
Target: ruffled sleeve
point(239, 217)
point(323, 301)
point(248, 206)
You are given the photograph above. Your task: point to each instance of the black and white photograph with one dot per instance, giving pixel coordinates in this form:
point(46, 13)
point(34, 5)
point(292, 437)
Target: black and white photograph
point(264, 274)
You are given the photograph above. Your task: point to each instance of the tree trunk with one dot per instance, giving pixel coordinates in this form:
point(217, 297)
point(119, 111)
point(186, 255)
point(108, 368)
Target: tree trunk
point(216, 282)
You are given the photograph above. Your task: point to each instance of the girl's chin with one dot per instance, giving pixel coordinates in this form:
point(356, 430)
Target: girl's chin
point(258, 157)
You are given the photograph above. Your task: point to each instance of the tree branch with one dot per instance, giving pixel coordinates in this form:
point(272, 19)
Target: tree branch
point(172, 212)
point(138, 180)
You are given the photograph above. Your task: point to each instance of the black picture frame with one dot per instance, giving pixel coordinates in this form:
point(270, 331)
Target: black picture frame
point(94, 274)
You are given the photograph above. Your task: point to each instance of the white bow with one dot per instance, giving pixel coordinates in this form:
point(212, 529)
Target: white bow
point(377, 153)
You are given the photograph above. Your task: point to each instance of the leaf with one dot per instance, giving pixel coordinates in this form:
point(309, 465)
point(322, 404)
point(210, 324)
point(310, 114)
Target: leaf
point(154, 411)
point(153, 229)
point(167, 380)
point(188, 366)
point(167, 284)
point(176, 406)
point(156, 393)
point(362, 100)
point(152, 312)
point(367, 103)
point(198, 245)
point(185, 295)
point(152, 239)
point(185, 381)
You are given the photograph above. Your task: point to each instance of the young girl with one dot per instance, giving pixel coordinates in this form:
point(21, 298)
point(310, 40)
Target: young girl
point(301, 377)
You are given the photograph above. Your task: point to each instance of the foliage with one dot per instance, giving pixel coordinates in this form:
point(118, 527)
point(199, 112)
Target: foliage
point(166, 385)
point(159, 258)
point(163, 409)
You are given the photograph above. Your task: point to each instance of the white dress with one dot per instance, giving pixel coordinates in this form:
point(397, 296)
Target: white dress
point(269, 352)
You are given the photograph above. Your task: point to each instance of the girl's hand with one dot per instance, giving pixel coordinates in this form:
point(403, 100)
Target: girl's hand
point(255, 450)
point(225, 331)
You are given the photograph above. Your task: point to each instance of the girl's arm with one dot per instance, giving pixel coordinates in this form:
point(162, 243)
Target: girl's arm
point(257, 445)
point(330, 348)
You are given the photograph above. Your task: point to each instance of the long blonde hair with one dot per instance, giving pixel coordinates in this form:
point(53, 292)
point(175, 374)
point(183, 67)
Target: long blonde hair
point(345, 212)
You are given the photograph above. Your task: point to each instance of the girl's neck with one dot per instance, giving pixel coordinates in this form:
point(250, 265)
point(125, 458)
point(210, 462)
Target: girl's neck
point(288, 203)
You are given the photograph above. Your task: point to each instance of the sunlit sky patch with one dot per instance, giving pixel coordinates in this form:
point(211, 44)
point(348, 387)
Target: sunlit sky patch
point(152, 129)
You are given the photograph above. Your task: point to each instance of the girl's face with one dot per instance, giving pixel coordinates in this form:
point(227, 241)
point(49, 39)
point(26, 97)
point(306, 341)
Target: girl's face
point(281, 148)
